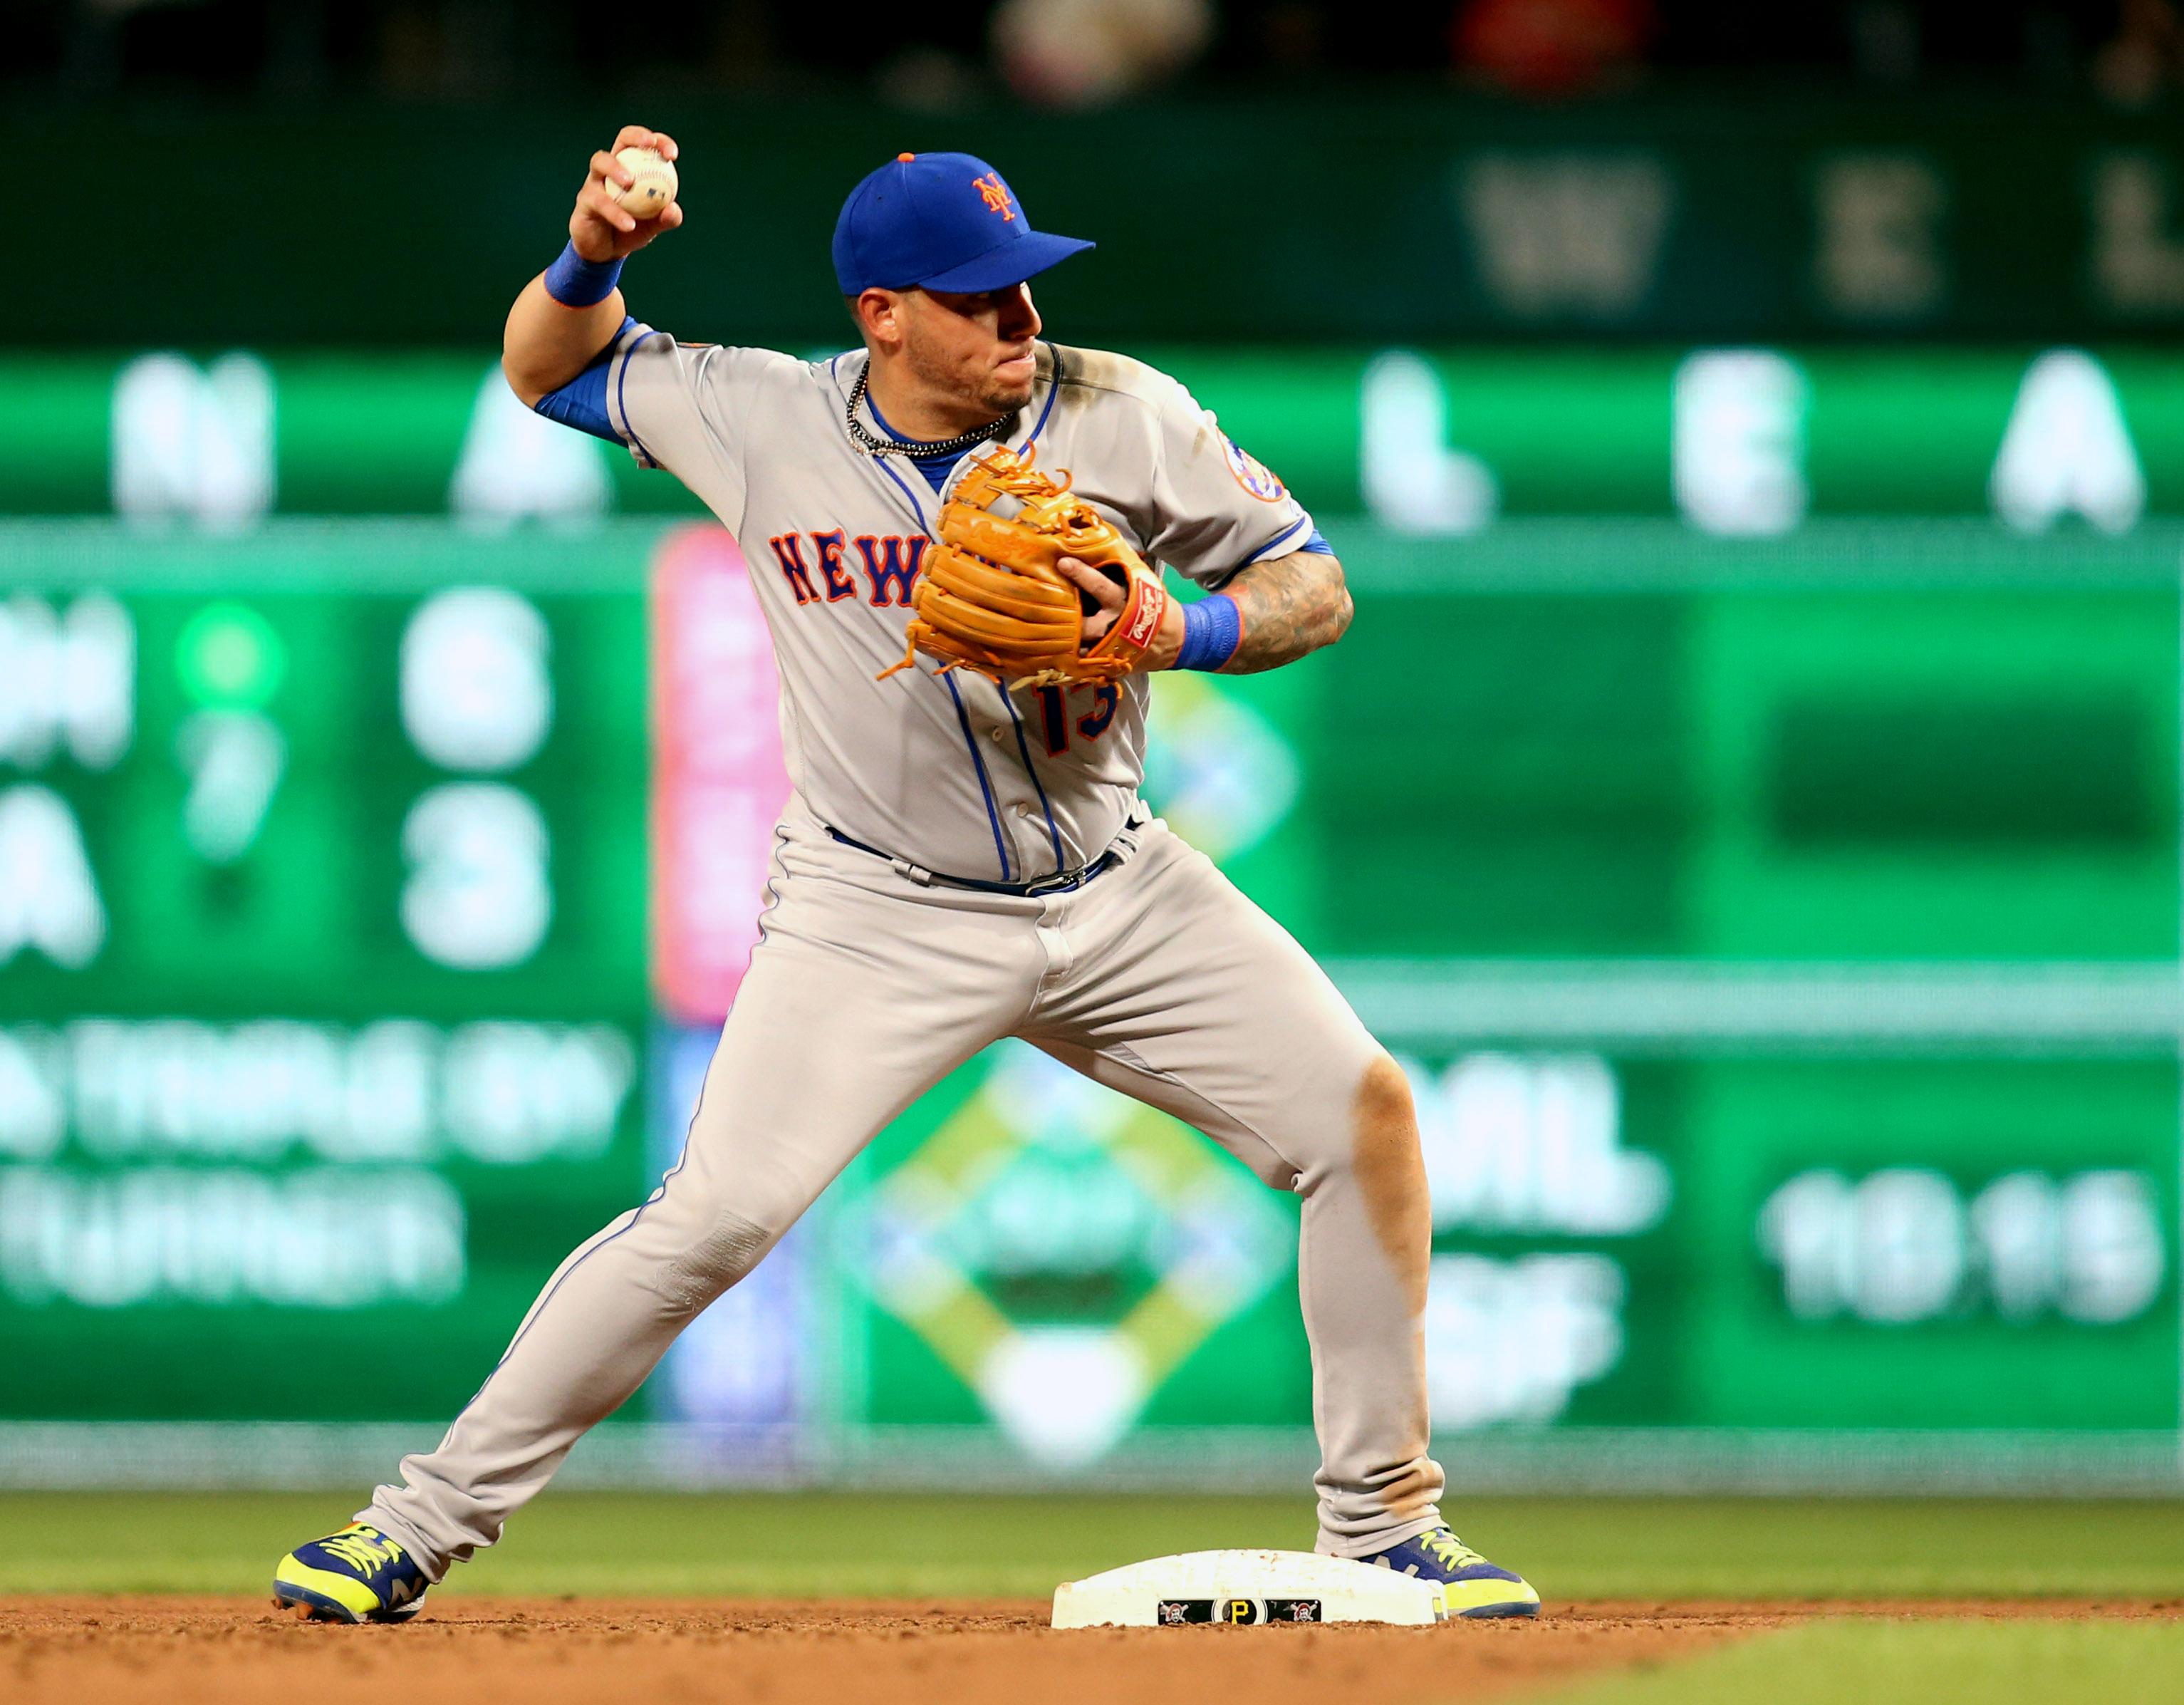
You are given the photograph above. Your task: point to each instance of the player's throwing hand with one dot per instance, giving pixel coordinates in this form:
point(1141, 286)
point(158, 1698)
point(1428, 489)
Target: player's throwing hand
point(601, 228)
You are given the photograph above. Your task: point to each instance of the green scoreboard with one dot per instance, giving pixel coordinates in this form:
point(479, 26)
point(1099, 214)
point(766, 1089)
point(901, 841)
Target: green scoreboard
point(322, 997)
point(1778, 926)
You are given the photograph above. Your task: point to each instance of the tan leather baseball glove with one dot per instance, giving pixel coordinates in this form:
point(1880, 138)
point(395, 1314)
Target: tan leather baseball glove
point(991, 598)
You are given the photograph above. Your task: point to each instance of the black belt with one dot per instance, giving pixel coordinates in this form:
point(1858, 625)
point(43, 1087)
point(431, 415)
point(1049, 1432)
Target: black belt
point(1061, 881)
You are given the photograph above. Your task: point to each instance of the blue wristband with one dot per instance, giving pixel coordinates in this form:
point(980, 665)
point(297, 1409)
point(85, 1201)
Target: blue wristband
point(1212, 628)
point(576, 282)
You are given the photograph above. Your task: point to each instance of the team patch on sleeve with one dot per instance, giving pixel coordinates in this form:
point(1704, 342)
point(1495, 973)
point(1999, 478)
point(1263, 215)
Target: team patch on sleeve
point(1252, 474)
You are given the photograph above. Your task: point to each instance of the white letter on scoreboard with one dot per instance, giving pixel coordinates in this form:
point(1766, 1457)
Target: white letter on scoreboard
point(194, 443)
point(516, 464)
point(48, 898)
point(1737, 451)
point(478, 897)
point(2067, 450)
point(1412, 481)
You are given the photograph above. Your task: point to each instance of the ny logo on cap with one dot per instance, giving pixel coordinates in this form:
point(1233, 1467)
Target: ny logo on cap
point(995, 192)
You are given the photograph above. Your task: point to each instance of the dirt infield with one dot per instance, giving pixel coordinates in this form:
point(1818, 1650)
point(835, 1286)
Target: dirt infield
point(546, 1652)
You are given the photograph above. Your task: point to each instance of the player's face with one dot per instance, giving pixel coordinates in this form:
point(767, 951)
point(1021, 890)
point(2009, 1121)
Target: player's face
point(977, 348)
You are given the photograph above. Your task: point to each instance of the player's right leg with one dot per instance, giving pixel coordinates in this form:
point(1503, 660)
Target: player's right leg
point(859, 998)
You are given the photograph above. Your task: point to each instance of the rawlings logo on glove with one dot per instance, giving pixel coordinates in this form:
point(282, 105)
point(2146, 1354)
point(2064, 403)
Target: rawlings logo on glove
point(992, 600)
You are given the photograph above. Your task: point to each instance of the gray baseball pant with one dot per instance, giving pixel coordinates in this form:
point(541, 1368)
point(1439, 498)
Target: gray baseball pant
point(1157, 979)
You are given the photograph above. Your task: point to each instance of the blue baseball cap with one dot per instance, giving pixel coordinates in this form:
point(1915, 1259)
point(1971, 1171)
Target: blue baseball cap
point(941, 221)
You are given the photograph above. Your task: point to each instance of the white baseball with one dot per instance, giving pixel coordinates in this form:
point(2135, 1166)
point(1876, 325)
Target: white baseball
point(647, 197)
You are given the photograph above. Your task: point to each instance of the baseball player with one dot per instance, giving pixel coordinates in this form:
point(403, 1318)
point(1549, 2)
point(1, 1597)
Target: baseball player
point(964, 857)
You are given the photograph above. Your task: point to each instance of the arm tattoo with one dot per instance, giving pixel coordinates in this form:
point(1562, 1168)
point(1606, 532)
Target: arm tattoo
point(1291, 605)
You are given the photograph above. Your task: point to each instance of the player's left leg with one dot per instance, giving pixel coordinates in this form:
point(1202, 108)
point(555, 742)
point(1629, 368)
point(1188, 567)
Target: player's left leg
point(1178, 990)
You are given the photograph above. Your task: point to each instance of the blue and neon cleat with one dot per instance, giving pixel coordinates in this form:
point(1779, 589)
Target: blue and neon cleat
point(1474, 1587)
point(356, 1575)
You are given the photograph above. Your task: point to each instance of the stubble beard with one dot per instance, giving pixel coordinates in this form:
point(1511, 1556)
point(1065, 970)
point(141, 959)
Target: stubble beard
point(988, 396)
point(1006, 398)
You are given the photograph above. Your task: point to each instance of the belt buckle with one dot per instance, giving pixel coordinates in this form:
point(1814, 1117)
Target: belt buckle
point(1060, 883)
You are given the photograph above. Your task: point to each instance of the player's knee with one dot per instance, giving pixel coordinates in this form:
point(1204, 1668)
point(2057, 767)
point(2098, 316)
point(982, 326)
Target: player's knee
point(1389, 1168)
point(1383, 1091)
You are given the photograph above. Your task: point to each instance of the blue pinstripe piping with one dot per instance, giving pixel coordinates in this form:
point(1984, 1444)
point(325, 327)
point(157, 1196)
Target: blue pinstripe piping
point(539, 1308)
point(935, 474)
point(962, 717)
point(1286, 533)
point(873, 403)
point(552, 1290)
point(1053, 834)
point(773, 900)
point(916, 512)
point(622, 405)
point(1053, 390)
point(977, 763)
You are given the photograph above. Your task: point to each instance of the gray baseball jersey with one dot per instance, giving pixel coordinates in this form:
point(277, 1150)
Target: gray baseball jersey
point(948, 772)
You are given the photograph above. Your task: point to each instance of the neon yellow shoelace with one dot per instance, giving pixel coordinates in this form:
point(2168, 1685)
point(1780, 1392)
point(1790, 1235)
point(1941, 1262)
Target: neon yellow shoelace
point(363, 1549)
point(1449, 1551)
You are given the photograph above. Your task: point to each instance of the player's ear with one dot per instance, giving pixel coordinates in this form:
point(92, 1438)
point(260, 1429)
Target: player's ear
point(878, 314)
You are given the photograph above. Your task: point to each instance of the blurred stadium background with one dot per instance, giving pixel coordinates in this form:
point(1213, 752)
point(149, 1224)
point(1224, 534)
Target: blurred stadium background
point(1748, 800)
